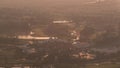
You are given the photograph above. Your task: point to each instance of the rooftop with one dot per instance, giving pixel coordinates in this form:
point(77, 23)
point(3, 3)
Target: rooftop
point(62, 22)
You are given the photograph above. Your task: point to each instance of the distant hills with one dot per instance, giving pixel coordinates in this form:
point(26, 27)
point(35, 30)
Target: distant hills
point(66, 6)
point(20, 13)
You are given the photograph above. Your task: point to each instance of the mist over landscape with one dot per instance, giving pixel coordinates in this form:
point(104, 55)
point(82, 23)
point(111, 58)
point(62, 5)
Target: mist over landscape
point(60, 33)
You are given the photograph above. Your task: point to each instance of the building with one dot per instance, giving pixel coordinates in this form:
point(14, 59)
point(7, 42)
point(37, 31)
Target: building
point(61, 22)
point(29, 37)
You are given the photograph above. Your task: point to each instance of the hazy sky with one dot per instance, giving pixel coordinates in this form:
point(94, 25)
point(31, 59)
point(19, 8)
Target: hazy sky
point(53, 4)
point(27, 3)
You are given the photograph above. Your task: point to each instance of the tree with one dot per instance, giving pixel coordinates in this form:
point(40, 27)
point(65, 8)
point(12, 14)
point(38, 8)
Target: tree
point(54, 54)
point(107, 38)
point(58, 30)
point(86, 34)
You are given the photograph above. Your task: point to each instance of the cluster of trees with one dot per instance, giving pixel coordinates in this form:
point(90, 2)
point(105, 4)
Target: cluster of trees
point(50, 53)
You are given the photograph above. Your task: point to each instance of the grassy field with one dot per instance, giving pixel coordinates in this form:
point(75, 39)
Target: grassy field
point(104, 66)
point(88, 66)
